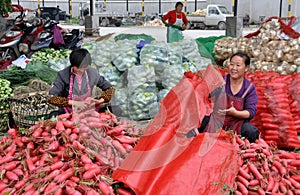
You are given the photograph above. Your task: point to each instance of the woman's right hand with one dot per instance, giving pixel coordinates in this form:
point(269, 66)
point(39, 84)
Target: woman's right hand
point(78, 105)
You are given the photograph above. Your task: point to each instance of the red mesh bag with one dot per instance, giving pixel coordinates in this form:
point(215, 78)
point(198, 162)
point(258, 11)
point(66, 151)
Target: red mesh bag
point(167, 162)
point(285, 28)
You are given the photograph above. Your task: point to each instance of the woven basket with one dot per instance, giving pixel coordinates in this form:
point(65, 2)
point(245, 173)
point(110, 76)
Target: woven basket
point(27, 110)
point(4, 112)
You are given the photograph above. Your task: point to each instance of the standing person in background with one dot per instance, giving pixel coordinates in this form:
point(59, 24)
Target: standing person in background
point(176, 22)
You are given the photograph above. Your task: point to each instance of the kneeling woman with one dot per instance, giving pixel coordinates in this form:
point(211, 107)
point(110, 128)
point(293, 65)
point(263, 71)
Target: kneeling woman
point(234, 103)
point(72, 88)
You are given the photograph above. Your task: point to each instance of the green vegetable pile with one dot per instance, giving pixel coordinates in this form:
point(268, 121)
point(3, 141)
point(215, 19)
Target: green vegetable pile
point(5, 93)
point(57, 59)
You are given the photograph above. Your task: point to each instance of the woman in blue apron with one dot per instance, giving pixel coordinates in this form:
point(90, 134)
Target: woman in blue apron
point(176, 22)
point(235, 103)
point(72, 88)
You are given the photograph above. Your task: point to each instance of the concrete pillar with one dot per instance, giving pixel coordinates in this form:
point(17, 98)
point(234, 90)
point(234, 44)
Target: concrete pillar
point(234, 26)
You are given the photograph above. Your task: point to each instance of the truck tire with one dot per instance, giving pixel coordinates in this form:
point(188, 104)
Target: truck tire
point(104, 22)
point(202, 26)
point(221, 25)
point(118, 23)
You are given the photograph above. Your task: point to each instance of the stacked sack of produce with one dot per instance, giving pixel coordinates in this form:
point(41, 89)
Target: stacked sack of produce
point(294, 91)
point(270, 48)
point(142, 99)
point(274, 117)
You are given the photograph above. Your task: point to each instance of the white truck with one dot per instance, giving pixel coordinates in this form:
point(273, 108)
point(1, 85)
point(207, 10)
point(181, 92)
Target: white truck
point(212, 16)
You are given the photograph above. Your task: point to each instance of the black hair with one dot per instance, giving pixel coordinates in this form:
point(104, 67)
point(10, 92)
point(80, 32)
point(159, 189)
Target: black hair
point(242, 55)
point(178, 3)
point(80, 57)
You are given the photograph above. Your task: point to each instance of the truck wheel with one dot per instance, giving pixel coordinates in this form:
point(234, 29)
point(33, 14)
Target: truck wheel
point(104, 22)
point(202, 26)
point(118, 23)
point(222, 26)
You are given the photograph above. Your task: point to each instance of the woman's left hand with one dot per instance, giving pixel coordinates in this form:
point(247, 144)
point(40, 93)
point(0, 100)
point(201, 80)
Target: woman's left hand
point(230, 111)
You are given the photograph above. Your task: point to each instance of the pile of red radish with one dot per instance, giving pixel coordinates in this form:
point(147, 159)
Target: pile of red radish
point(274, 117)
point(74, 154)
point(266, 170)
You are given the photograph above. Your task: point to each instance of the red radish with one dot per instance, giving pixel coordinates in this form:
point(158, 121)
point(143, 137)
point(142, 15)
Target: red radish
point(85, 159)
point(282, 188)
point(28, 187)
point(68, 131)
point(249, 155)
point(10, 166)
point(126, 139)
point(53, 132)
point(30, 165)
point(25, 139)
point(243, 180)
point(11, 149)
point(64, 116)
point(242, 188)
point(254, 182)
point(18, 142)
point(58, 192)
point(6, 191)
point(56, 165)
point(12, 132)
point(20, 184)
point(73, 137)
point(52, 175)
point(71, 183)
point(68, 123)
point(91, 173)
point(75, 179)
point(50, 187)
point(37, 133)
point(294, 183)
point(92, 192)
point(254, 170)
point(2, 186)
point(119, 147)
point(280, 168)
point(18, 172)
point(34, 159)
point(75, 130)
point(295, 163)
point(45, 134)
point(30, 145)
point(275, 188)
point(88, 167)
point(64, 176)
point(78, 146)
point(71, 191)
point(43, 158)
point(236, 192)
point(59, 126)
point(104, 188)
point(6, 158)
point(122, 191)
point(128, 147)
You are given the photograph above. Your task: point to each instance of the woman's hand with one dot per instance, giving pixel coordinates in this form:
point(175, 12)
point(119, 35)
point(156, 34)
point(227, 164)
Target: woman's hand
point(78, 105)
point(230, 111)
point(184, 27)
point(96, 102)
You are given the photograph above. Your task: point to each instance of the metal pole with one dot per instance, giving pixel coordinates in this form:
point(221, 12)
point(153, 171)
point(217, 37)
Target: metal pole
point(280, 8)
point(92, 7)
point(159, 6)
point(234, 7)
point(196, 7)
point(18, 2)
point(43, 3)
point(185, 4)
point(39, 8)
point(143, 8)
point(127, 6)
point(70, 10)
point(289, 8)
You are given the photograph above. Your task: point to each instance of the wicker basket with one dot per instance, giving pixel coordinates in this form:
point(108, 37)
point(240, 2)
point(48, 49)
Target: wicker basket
point(4, 114)
point(27, 110)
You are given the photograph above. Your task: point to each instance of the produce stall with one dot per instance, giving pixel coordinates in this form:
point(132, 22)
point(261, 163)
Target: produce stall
point(78, 153)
